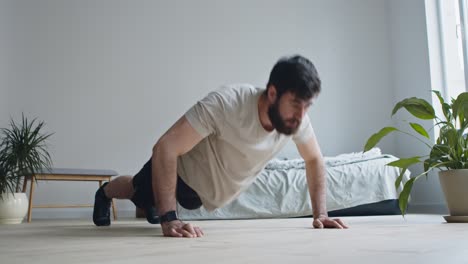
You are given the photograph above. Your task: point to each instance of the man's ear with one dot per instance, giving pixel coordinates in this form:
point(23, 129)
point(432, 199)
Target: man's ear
point(272, 94)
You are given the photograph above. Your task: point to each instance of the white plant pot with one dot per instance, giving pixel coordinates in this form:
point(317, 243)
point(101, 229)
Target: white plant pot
point(454, 183)
point(13, 208)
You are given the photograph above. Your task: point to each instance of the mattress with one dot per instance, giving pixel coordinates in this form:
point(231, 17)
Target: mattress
point(280, 190)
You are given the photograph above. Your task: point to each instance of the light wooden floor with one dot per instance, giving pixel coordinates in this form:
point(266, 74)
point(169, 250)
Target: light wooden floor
point(379, 239)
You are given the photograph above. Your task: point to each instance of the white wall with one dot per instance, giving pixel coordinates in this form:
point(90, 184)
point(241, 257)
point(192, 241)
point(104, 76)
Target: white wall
point(109, 77)
point(411, 77)
point(3, 64)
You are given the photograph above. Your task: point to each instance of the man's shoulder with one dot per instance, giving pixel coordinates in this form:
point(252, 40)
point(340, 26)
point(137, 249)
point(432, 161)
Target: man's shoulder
point(231, 98)
point(237, 92)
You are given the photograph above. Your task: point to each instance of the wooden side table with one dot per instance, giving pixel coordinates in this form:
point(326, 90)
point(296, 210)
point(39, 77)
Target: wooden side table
point(59, 174)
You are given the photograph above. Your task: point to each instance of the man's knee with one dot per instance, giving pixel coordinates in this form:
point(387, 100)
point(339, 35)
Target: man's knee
point(190, 204)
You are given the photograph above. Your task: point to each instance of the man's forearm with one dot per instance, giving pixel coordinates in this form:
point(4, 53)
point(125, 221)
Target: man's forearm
point(164, 173)
point(316, 181)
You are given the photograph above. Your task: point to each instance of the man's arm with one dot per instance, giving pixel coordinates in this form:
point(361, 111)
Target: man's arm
point(316, 180)
point(178, 140)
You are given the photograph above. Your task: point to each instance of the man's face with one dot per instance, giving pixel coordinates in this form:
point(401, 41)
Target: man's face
point(287, 111)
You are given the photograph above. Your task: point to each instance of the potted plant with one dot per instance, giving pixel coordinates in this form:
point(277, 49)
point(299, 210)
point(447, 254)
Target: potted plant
point(449, 153)
point(23, 152)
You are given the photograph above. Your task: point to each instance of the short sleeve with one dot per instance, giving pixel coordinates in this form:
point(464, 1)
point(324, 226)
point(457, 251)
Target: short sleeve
point(206, 115)
point(304, 132)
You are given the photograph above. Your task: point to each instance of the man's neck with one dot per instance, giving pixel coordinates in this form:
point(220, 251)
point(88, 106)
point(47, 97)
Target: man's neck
point(263, 112)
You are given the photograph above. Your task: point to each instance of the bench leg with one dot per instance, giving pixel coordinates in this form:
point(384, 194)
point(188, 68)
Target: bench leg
point(25, 184)
point(31, 192)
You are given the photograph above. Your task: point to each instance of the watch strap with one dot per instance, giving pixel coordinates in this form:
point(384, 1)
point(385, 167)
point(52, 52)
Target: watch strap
point(168, 217)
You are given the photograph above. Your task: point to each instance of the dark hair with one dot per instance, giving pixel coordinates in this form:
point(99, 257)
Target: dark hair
point(295, 74)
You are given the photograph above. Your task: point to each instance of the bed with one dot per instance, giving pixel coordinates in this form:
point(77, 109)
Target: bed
point(357, 184)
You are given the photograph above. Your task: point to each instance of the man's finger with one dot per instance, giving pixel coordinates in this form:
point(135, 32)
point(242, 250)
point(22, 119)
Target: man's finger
point(332, 223)
point(198, 232)
point(317, 223)
point(341, 223)
point(201, 231)
point(189, 228)
point(186, 233)
point(174, 233)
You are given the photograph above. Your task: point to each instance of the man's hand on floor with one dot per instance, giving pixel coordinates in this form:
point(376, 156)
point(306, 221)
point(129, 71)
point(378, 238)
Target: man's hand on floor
point(178, 228)
point(325, 222)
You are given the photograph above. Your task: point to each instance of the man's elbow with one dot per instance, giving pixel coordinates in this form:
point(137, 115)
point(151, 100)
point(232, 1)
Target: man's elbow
point(162, 148)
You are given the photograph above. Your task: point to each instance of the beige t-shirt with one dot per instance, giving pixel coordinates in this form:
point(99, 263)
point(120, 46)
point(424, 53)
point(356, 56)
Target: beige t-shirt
point(235, 147)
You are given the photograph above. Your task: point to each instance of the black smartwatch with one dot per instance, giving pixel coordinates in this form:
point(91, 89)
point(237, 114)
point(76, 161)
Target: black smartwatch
point(168, 217)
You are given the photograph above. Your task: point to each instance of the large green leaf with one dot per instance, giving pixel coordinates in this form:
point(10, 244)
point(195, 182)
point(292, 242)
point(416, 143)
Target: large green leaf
point(438, 157)
point(418, 128)
point(404, 163)
point(400, 178)
point(428, 163)
point(441, 99)
point(418, 107)
point(452, 138)
point(438, 151)
point(445, 107)
point(448, 136)
point(447, 112)
point(460, 107)
point(375, 138)
point(404, 195)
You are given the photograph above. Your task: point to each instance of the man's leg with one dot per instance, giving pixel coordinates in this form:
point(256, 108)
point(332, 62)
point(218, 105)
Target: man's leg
point(120, 188)
point(186, 196)
point(143, 193)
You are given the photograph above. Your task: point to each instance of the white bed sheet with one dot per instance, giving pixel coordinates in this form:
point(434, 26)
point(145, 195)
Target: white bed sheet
point(281, 188)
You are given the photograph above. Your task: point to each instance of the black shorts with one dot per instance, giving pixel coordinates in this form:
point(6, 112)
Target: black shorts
point(144, 198)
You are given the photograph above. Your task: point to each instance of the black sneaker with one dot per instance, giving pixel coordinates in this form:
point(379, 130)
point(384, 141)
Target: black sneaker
point(151, 216)
point(101, 212)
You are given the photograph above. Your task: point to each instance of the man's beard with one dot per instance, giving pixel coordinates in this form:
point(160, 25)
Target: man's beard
point(278, 123)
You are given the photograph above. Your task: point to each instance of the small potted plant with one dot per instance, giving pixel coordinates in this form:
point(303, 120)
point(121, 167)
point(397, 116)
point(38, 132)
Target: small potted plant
point(23, 152)
point(449, 152)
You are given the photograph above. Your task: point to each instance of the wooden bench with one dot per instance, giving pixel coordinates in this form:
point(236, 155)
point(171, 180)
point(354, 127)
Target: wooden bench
point(58, 174)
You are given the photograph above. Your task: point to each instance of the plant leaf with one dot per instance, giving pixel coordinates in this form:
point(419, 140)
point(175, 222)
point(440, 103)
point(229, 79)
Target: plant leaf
point(441, 99)
point(400, 178)
point(22, 152)
point(404, 195)
point(460, 105)
point(404, 163)
point(418, 128)
point(445, 106)
point(418, 107)
point(375, 138)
